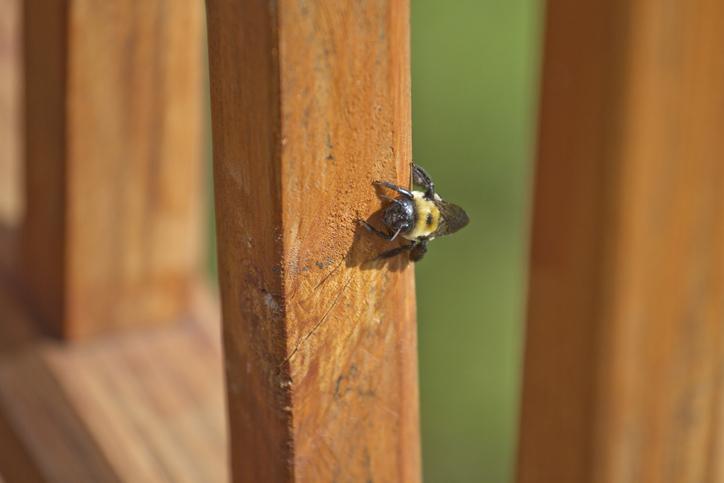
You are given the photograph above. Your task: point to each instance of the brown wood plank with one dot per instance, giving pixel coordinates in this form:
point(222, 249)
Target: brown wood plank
point(310, 104)
point(624, 367)
point(113, 140)
point(16, 464)
point(10, 102)
point(47, 423)
point(143, 406)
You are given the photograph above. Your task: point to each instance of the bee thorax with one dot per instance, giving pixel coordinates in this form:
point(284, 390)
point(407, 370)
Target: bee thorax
point(427, 218)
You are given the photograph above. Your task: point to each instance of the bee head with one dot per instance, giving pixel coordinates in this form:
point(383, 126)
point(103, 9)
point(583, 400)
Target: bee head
point(399, 215)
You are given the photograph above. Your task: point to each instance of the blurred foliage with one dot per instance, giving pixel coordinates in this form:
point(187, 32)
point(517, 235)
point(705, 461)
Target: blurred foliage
point(474, 73)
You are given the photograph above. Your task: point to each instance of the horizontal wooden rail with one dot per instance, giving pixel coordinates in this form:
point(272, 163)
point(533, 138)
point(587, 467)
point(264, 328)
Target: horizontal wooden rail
point(310, 104)
point(624, 370)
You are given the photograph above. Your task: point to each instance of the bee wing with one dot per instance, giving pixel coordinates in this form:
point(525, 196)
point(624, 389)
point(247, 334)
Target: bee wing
point(452, 218)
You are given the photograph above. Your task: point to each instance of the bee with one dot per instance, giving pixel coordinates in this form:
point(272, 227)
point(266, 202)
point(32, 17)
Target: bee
point(417, 216)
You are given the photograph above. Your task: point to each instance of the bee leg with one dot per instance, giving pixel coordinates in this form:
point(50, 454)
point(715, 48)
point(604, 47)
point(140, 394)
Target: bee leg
point(421, 178)
point(379, 233)
point(395, 251)
point(394, 187)
point(418, 250)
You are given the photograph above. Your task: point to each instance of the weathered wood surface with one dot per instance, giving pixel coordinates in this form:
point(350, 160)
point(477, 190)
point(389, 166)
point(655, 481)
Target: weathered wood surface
point(310, 104)
point(143, 406)
point(624, 371)
point(113, 142)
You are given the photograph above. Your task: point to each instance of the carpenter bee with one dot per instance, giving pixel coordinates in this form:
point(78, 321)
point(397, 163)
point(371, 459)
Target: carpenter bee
point(418, 216)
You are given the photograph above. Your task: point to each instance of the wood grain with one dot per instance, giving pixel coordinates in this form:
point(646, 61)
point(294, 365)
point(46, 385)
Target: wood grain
point(10, 120)
point(142, 406)
point(310, 104)
point(624, 370)
point(113, 141)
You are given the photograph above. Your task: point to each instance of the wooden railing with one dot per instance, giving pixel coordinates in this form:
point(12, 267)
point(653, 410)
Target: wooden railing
point(624, 366)
point(114, 362)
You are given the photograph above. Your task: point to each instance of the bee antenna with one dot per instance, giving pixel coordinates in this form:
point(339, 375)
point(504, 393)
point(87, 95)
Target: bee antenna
point(396, 233)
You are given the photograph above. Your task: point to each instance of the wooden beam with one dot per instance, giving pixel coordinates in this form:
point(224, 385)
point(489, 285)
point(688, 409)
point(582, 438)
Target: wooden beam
point(113, 143)
point(310, 104)
point(624, 370)
point(146, 405)
point(10, 66)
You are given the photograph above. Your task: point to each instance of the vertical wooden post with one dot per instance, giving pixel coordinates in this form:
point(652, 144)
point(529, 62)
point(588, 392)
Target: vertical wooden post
point(310, 104)
point(10, 198)
point(624, 370)
point(113, 142)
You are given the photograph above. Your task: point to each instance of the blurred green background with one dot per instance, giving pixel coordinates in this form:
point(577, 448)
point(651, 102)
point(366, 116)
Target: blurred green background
point(474, 76)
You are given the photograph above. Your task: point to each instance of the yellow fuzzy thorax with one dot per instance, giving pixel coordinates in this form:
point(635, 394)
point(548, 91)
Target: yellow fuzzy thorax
point(427, 219)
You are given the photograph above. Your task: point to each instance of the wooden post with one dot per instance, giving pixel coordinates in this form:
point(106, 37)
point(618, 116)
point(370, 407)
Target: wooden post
point(624, 370)
point(310, 104)
point(10, 199)
point(113, 145)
